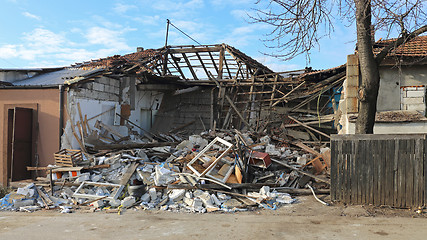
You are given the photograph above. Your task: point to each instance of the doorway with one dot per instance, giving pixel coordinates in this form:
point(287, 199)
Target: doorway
point(20, 143)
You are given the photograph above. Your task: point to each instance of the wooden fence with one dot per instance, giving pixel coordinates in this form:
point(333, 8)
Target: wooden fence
point(379, 169)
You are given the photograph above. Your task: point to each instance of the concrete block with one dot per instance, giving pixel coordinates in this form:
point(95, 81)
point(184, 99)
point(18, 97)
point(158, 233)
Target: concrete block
point(351, 92)
point(410, 88)
point(413, 100)
point(206, 199)
point(98, 87)
point(145, 197)
point(351, 105)
point(411, 94)
point(352, 60)
point(417, 107)
point(104, 80)
point(351, 81)
point(128, 201)
point(177, 194)
point(352, 70)
point(153, 194)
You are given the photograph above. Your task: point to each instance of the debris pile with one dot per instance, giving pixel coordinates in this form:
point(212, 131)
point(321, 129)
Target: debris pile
point(216, 171)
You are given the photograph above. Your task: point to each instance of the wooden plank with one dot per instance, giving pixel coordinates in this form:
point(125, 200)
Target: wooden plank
point(237, 112)
point(203, 64)
point(396, 172)
point(417, 175)
point(352, 172)
point(287, 94)
point(424, 172)
point(128, 174)
point(410, 174)
point(228, 68)
point(302, 172)
point(371, 145)
point(82, 147)
point(178, 67)
point(221, 63)
point(383, 178)
point(98, 115)
point(417, 168)
point(421, 159)
point(401, 166)
point(194, 49)
point(333, 167)
point(389, 174)
point(346, 186)
point(308, 127)
point(377, 172)
point(364, 167)
point(189, 66)
point(340, 171)
point(82, 121)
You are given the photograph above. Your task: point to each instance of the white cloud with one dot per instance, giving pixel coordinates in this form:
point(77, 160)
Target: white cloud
point(227, 3)
point(123, 8)
point(32, 16)
point(51, 49)
point(107, 37)
point(9, 51)
point(277, 65)
point(148, 20)
point(177, 6)
point(44, 38)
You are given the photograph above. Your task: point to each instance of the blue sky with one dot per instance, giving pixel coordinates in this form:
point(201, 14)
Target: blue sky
point(48, 33)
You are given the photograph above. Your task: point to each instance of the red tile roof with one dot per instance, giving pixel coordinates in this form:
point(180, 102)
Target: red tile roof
point(416, 47)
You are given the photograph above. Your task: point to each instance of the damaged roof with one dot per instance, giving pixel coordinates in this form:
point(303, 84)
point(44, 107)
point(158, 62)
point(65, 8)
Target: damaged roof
point(60, 77)
point(204, 62)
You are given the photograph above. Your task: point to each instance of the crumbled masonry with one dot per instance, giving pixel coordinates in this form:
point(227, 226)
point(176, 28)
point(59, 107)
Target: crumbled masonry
point(212, 172)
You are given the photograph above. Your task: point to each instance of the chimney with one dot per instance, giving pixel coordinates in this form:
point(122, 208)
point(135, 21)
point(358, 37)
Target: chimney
point(139, 49)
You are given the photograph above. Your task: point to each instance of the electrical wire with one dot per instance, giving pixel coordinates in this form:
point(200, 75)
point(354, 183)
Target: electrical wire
point(184, 33)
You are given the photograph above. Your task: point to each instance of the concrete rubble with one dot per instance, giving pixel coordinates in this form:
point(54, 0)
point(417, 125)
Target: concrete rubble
point(214, 171)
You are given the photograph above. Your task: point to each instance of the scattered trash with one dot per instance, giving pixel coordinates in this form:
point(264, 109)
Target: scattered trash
point(223, 171)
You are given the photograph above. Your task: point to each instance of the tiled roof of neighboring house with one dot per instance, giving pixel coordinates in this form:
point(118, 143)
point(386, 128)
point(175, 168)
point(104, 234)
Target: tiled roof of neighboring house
point(58, 77)
point(416, 47)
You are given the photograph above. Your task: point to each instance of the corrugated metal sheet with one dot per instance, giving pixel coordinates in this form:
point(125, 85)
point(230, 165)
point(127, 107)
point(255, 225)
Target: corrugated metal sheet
point(58, 77)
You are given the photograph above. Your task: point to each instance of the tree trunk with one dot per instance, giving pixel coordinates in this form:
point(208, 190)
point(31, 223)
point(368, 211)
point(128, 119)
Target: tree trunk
point(368, 91)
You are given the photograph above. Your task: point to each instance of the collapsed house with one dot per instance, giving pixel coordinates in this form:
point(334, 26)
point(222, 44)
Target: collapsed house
point(171, 119)
point(401, 106)
point(186, 89)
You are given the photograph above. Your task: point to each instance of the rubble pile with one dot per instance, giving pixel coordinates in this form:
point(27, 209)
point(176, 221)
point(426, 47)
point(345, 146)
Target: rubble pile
point(215, 171)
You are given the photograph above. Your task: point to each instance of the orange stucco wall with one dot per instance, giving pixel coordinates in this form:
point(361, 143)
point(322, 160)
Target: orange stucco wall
point(46, 104)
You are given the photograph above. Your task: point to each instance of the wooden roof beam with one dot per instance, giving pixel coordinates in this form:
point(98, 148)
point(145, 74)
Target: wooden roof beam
point(213, 62)
point(190, 67)
point(178, 67)
point(203, 65)
point(228, 69)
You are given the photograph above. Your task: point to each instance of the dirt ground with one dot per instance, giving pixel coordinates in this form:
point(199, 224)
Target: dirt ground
point(306, 219)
